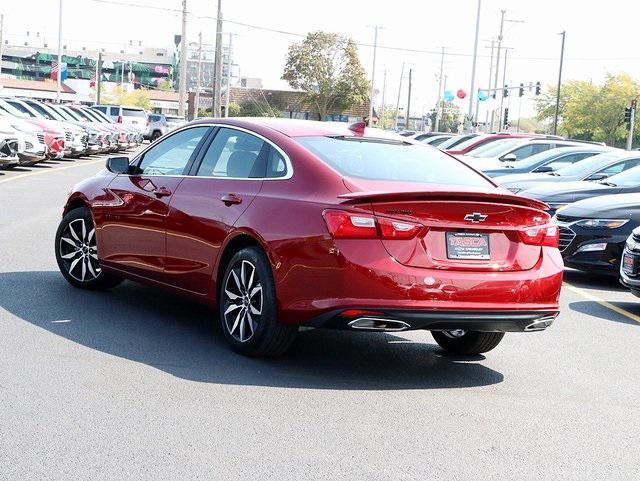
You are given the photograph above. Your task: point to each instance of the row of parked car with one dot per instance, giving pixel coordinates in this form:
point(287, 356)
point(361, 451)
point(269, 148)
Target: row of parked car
point(593, 192)
point(33, 131)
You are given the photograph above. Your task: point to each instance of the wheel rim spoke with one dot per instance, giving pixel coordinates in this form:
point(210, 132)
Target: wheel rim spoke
point(70, 255)
point(69, 241)
point(232, 308)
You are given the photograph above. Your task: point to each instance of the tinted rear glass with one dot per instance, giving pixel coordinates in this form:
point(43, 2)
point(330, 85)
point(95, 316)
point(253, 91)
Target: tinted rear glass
point(391, 160)
point(133, 113)
point(587, 165)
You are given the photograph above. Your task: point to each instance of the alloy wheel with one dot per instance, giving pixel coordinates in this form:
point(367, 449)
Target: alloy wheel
point(79, 252)
point(243, 301)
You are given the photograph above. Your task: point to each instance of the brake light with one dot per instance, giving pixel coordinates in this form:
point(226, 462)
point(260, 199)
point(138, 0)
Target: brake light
point(349, 225)
point(544, 235)
point(119, 119)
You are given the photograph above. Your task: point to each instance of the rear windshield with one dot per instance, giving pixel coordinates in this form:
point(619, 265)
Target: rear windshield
point(133, 113)
point(378, 159)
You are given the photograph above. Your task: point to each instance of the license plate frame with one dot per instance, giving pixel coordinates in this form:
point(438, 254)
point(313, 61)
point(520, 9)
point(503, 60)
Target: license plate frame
point(472, 246)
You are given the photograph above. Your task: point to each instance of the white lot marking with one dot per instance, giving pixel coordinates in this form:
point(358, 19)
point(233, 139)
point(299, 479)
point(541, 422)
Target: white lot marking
point(58, 169)
point(602, 302)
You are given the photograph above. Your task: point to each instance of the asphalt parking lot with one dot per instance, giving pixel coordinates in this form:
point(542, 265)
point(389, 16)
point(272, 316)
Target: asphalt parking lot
point(136, 383)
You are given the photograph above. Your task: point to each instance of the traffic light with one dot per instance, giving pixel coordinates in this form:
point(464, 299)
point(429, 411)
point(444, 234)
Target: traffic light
point(506, 117)
point(505, 92)
point(537, 88)
point(627, 117)
point(521, 90)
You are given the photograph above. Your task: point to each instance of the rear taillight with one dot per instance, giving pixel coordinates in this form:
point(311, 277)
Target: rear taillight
point(119, 119)
point(349, 225)
point(543, 235)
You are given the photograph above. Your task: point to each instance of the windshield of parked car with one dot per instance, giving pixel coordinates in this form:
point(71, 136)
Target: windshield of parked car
point(47, 111)
point(100, 115)
point(10, 109)
point(456, 140)
point(495, 149)
point(26, 109)
point(587, 165)
point(71, 113)
point(628, 178)
point(62, 112)
point(383, 159)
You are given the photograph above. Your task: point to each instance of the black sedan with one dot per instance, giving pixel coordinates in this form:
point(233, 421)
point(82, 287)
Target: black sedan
point(561, 194)
point(597, 167)
point(630, 266)
point(593, 231)
point(547, 161)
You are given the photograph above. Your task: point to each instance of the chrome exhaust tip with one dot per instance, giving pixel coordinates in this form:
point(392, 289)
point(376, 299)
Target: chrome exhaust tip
point(376, 324)
point(541, 324)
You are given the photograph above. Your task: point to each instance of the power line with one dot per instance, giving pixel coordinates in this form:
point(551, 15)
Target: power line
point(360, 44)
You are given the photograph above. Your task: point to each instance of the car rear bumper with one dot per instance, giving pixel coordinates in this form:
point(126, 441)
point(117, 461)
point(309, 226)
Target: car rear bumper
point(413, 319)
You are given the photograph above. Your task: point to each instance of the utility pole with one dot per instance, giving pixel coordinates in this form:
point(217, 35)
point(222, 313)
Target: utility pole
point(98, 77)
point(493, 42)
point(373, 74)
point(198, 76)
point(395, 122)
point(182, 91)
point(436, 125)
point(473, 69)
point(122, 75)
point(59, 79)
point(495, 82)
point(504, 82)
point(409, 100)
point(217, 75)
point(632, 122)
point(1, 41)
point(555, 117)
point(384, 90)
point(229, 64)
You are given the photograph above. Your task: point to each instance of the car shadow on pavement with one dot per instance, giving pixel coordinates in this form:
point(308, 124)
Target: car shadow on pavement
point(594, 309)
point(592, 281)
point(174, 334)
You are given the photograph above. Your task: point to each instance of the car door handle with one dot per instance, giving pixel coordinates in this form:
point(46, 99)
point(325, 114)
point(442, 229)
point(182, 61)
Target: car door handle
point(162, 192)
point(231, 199)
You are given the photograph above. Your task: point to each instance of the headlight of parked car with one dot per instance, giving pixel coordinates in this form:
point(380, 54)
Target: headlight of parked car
point(602, 223)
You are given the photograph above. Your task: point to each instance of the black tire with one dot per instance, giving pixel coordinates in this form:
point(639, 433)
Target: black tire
point(76, 252)
point(471, 342)
point(256, 335)
point(155, 135)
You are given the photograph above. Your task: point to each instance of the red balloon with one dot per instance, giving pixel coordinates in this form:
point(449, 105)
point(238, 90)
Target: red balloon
point(461, 94)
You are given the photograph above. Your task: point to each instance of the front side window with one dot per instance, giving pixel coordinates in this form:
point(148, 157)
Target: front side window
point(171, 155)
point(235, 154)
point(568, 160)
point(379, 159)
point(619, 167)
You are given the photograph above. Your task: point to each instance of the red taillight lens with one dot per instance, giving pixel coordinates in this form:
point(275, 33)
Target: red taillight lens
point(350, 225)
point(544, 235)
point(119, 119)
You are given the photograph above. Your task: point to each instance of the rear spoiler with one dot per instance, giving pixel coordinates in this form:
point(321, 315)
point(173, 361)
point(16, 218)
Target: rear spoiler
point(506, 198)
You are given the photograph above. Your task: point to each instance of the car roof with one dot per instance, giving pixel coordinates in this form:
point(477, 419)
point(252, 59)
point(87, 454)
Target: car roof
point(300, 128)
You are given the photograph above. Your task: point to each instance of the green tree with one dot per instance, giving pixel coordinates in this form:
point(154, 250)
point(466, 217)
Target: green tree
point(450, 120)
point(166, 85)
point(120, 96)
point(256, 108)
point(326, 66)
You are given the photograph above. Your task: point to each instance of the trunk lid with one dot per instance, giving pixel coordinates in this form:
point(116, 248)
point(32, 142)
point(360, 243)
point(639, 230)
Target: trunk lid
point(464, 229)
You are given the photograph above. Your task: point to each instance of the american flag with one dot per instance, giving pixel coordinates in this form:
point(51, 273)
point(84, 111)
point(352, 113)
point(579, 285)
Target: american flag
point(92, 81)
point(55, 68)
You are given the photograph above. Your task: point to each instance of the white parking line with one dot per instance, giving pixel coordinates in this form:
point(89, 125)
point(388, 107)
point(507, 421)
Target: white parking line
point(58, 169)
point(602, 302)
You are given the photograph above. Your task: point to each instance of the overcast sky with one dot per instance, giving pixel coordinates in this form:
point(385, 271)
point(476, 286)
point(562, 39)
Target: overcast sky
point(600, 35)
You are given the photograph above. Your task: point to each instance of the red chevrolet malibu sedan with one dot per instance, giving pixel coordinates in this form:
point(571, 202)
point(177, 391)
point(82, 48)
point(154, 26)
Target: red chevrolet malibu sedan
point(283, 223)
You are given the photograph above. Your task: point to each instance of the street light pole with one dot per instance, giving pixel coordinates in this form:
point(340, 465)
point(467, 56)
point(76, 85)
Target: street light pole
point(495, 82)
point(373, 75)
point(59, 79)
point(473, 69)
point(217, 67)
point(395, 122)
point(409, 100)
point(196, 107)
point(183, 62)
point(504, 82)
point(436, 125)
point(555, 117)
point(227, 95)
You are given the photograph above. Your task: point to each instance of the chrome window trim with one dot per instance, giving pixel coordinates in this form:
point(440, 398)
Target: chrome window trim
point(286, 158)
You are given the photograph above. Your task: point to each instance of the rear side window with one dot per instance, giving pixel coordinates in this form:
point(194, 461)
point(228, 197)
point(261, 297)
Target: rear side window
point(133, 113)
point(234, 154)
point(115, 111)
point(101, 109)
point(391, 160)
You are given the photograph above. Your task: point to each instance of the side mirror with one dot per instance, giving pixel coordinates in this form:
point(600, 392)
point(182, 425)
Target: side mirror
point(118, 165)
point(509, 158)
point(544, 168)
point(597, 176)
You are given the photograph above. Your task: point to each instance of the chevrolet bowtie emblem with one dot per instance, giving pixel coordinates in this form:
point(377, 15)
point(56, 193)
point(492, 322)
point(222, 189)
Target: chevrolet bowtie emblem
point(475, 217)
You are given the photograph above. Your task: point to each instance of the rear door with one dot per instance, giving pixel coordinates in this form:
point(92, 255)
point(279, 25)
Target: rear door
point(221, 186)
point(132, 223)
point(614, 169)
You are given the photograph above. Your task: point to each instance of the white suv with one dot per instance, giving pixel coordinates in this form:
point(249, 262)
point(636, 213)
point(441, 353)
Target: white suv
point(128, 115)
